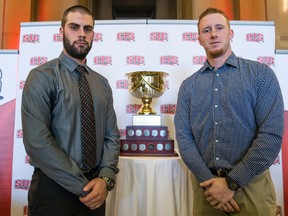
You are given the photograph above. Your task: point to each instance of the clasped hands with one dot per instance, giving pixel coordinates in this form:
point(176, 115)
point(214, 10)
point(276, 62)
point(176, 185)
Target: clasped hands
point(219, 195)
point(97, 195)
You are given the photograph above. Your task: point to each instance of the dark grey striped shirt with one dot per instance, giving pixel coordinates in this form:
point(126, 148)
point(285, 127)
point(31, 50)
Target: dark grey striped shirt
point(230, 118)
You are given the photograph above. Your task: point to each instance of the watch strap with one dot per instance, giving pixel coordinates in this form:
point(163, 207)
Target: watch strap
point(110, 183)
point(232, 184)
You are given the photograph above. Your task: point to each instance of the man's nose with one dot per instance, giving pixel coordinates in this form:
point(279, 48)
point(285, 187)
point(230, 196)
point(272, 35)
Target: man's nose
point(81, 32)
point(213, 32)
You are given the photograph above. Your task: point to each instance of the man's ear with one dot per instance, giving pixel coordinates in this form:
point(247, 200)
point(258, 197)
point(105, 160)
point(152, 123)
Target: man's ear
point(231, 34)
point(199, 40)
point(61, 32)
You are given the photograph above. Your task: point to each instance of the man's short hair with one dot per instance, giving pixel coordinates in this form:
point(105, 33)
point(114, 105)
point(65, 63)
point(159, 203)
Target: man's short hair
point(213, 11)
point(76, 8)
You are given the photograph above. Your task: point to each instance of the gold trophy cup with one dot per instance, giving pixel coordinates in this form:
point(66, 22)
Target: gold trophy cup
point(146, 85)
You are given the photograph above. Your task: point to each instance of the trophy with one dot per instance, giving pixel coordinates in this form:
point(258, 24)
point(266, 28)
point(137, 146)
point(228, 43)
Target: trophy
point(146, 85)
point(147, 136)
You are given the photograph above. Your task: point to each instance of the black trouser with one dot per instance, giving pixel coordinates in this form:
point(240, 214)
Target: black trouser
point(46, 198)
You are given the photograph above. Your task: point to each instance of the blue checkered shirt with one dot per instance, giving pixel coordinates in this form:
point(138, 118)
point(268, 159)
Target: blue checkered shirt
point(230, 118)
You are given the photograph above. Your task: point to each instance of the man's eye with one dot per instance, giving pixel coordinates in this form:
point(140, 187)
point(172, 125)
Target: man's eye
point(88, 30)
point(74, 28)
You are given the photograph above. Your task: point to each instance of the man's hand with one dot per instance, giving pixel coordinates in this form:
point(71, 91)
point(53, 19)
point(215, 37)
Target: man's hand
point(97, 195)
point(219, 195)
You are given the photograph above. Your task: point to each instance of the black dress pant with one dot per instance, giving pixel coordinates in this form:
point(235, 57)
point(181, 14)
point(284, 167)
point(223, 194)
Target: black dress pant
point(46, 198)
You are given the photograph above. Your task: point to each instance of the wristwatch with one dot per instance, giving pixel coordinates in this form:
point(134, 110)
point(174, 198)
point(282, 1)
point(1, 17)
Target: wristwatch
point(232, 184)
point(110, 183)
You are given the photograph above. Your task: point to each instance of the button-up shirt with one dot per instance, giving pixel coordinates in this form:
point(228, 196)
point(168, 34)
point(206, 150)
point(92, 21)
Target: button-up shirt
point(51, 122)
point(232, 117)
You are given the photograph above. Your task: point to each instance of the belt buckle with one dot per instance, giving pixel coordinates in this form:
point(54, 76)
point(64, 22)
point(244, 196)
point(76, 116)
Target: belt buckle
point(87, 173)
point(222, 172)
point(90, 173)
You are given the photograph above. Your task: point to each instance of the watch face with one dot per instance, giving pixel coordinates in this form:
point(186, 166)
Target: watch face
point(110, 185)
point(233, 185)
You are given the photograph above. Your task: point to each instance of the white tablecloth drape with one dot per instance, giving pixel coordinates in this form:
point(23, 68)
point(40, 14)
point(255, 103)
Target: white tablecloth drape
point(151, 186)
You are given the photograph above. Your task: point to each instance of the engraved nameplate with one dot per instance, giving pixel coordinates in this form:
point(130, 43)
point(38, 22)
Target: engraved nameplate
point(146, 120)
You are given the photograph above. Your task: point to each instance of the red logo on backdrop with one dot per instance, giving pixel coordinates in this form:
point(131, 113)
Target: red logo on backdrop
point(168, 108)
point(266, 60)
point(277, 161)
point(103, 60)
point(38, 60)
point(255, 37)
point(122, 132)
point(25, 210)
point(19, 133)
point(22, 184)
point(199, 60)
point(122, 84)
point(133, 108)
point(57, 38)
point(135, 60)
point(190, 36)
point(98, 37)
point(159, 36)
point(126, 36)
point(27, 159)
point(169, 60)
point(31, 38)
point(21, 84)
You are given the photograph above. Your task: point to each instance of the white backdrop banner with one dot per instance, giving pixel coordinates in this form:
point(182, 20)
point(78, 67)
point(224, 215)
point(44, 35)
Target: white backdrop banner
point(8, 81)
point(125, 46)
point(282, 74)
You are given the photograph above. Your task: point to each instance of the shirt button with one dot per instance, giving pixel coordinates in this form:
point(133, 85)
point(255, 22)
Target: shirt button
point(216, 140)
point(217, 74)
point(217, 158)
point(216, 123)
point(216, 105)
point(216, 89)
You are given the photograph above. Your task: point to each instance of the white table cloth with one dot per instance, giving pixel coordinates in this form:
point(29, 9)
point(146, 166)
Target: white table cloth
point(151, 186)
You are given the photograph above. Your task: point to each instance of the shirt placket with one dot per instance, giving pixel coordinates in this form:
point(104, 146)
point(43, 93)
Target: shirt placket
point(216, 116)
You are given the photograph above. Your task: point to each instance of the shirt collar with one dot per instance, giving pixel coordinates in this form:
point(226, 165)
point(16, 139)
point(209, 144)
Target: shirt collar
point(231, 61)
point(70, 63)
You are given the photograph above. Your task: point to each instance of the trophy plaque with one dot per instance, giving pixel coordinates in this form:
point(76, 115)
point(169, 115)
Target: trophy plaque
point(147, 136)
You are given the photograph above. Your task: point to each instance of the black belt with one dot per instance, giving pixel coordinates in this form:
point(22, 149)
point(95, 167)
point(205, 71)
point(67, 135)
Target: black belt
point(220, 172)
point(90, 174)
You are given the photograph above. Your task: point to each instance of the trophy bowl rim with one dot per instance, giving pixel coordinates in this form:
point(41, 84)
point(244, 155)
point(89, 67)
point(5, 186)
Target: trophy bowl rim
point(147, 73)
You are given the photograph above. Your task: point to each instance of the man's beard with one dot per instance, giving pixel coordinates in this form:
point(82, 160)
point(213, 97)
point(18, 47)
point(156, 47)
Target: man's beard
point(217, 53)
point(71, 50)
